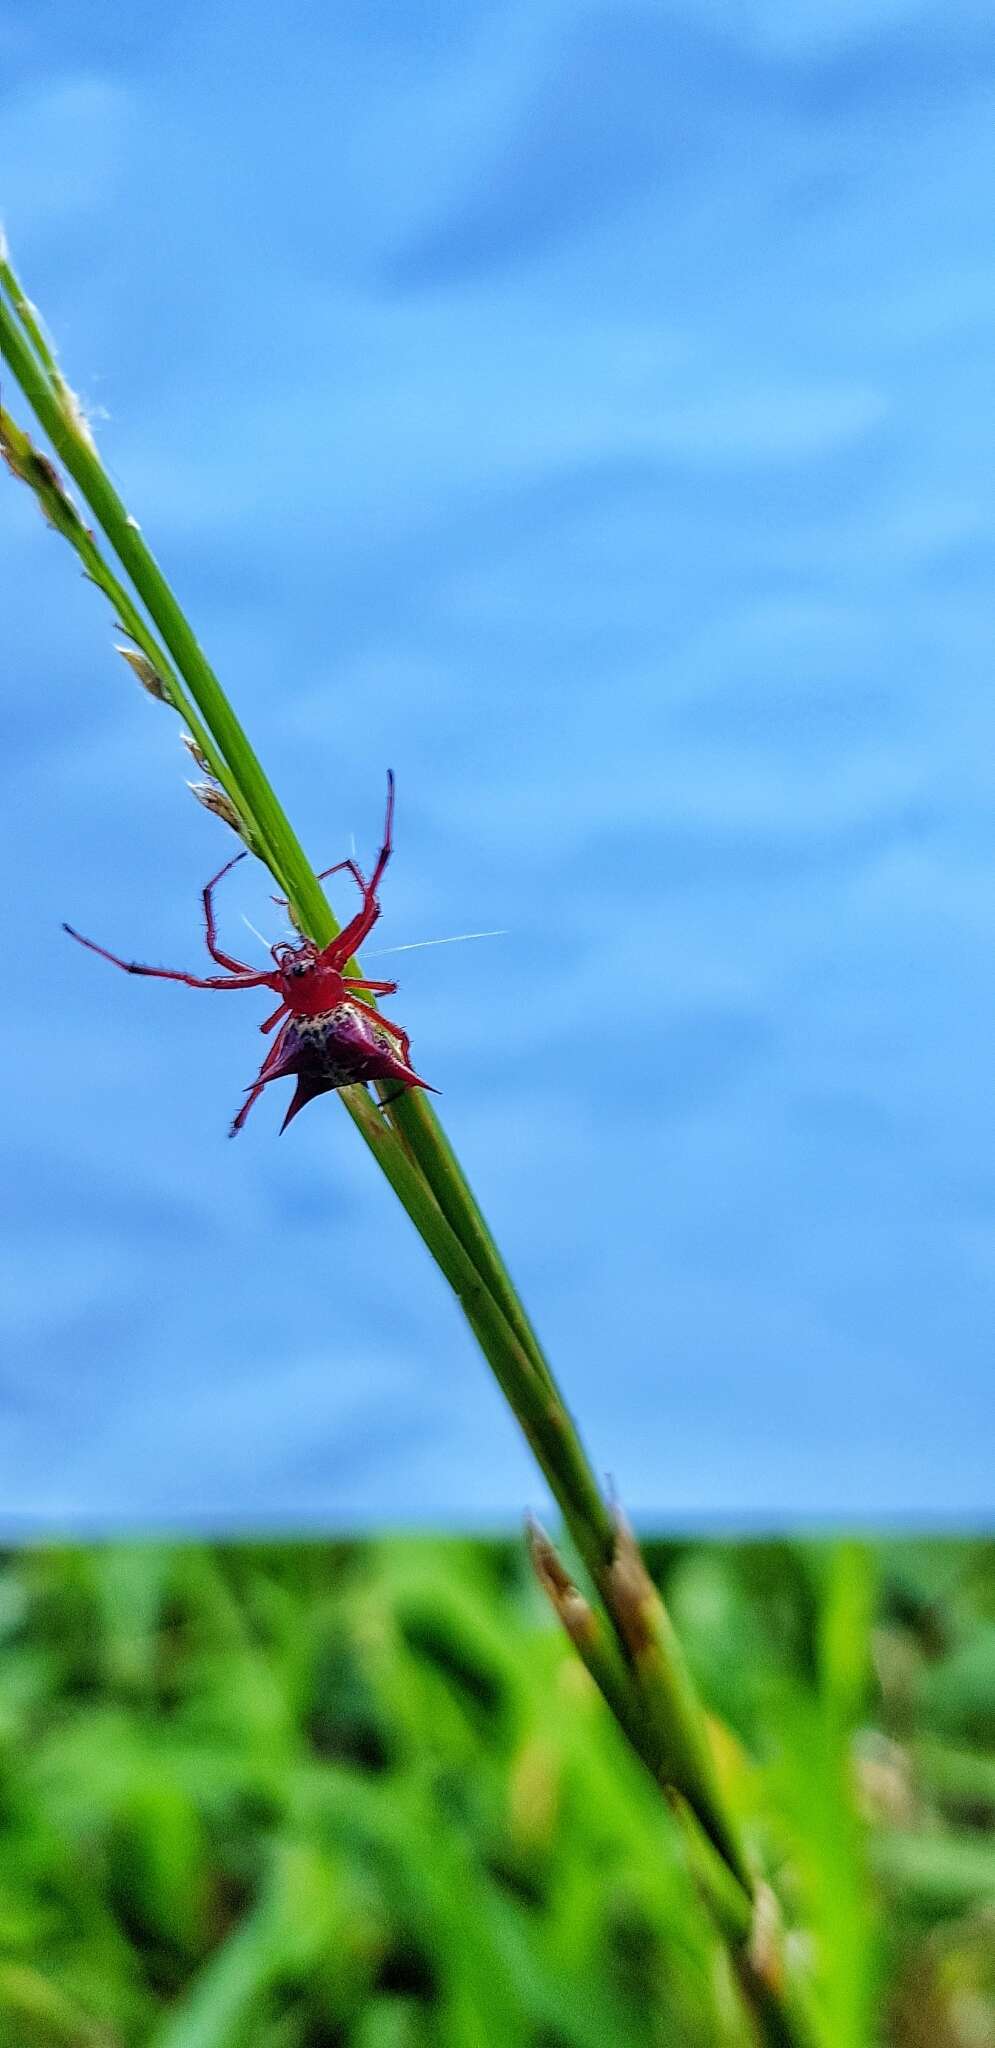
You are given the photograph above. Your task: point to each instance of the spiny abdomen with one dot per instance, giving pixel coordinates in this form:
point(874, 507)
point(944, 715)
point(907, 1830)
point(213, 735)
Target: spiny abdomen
point(339, 1046)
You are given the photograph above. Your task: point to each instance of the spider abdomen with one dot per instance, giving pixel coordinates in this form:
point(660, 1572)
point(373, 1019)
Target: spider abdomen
point(338, 1046)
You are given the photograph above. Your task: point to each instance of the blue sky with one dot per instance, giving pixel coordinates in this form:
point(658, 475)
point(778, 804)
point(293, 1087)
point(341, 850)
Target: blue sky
point(585, 410)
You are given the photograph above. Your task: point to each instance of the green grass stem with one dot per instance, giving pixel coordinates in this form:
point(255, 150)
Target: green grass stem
point(648, 1677)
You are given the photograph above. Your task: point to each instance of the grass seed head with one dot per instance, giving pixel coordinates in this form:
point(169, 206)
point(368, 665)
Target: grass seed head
point(147, 674)
point(216, 799)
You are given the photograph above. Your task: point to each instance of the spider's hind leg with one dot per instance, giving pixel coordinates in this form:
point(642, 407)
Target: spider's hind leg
point(269, 1071)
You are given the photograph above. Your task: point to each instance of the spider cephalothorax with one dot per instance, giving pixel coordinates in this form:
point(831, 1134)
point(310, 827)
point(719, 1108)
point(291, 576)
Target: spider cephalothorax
point(330, 1035)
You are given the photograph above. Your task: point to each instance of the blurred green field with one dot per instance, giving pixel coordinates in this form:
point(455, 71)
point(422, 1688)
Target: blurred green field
point(363, 1796)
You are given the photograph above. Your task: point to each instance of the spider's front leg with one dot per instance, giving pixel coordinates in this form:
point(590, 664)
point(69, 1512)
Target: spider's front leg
point(244, 979)
point(352, 935)
point(283, 902)
point(346, 867)
point(223, 959)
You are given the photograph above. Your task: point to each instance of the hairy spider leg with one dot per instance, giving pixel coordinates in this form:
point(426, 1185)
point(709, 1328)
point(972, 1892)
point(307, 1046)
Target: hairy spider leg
point(223, 959)
point(346, 865)
point(352, 934)
point(237, 1121)
point(246, 980)
point(255, 1088)
point(366, 889)
point(357, 875)
point(379, 988)
point(283, 1011)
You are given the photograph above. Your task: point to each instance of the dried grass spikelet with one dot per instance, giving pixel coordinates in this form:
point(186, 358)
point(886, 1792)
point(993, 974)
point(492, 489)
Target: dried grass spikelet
point(146, 673)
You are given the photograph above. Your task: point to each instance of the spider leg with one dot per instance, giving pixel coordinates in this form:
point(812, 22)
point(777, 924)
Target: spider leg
point(357, 874)
point(379, 988)
point(275, 1019)
point(223, 959)
point(256, 1087)
point(352, 935)
point(246, 980)
point(253, 1096)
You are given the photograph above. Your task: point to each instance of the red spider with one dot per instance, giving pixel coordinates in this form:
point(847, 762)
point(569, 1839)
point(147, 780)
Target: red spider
point(330, 1036)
